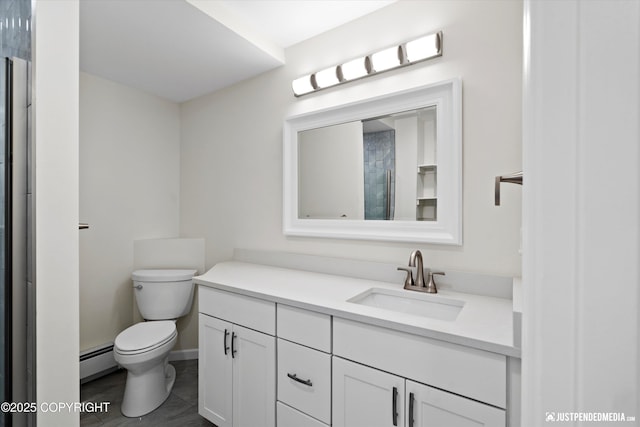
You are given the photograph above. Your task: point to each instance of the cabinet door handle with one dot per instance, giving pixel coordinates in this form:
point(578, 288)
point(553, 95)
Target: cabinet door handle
point(394, 404)
point(224, 342)
point(233, 346)
point(301, 381)
point(411, 421)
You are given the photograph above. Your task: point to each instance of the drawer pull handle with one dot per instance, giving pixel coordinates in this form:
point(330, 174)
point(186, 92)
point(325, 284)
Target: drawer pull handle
point(233, 347)
point(224, 342)
point(394, 404)
point(301, 381)
point(411, 421)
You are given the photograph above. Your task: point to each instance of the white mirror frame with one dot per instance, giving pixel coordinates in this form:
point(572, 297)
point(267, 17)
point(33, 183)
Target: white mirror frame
point(447, 229)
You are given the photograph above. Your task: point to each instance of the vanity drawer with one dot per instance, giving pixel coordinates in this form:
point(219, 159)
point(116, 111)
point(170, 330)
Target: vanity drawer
point(242, 310)
point(289, 417)
point(311, 392)
point(466, 371)
point(305, 327)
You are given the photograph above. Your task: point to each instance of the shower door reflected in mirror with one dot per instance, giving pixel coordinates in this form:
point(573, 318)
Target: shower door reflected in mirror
point(379, 171)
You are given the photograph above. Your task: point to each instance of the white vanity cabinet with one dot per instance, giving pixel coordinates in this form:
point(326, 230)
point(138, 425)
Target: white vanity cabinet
point(387, 385)
point(429, 407)
point(237, 359)
point(366, 397)
point(283, 361)
point(304, 368)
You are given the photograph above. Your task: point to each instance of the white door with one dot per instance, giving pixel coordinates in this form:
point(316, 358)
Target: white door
point(366, 397)
point(215, 371)
point(581, 204)
point(430, 407)
point(254, 378)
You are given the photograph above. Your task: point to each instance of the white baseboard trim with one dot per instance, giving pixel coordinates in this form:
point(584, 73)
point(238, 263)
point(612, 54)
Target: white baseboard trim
point(189, 354)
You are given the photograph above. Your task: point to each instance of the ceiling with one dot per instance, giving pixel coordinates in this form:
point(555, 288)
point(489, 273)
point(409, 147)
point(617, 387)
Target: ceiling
point(182, 49)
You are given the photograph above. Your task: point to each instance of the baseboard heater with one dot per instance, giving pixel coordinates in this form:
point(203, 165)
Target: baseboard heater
point(96, 362)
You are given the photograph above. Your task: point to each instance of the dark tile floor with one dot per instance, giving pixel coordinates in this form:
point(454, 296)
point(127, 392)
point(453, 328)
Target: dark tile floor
point(179, 410)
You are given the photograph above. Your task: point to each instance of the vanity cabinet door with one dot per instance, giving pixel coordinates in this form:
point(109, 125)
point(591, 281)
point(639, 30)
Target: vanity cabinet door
point(254, 378)
point(236, 374)
point(430, 407)
point(215, 380)
point(366, 397)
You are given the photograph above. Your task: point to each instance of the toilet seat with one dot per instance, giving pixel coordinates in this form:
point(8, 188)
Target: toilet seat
point(144, 337)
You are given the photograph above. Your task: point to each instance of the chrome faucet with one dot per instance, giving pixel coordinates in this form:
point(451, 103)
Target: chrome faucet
point(415, 260)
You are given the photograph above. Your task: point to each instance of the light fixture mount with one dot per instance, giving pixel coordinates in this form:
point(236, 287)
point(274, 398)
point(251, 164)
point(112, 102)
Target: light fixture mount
point(408, 53)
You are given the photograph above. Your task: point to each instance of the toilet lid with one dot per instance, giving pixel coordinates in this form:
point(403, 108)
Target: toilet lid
point(145, 336)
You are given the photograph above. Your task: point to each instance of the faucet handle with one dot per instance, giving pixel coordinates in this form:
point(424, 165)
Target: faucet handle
point(408, 281)
point(431, 285)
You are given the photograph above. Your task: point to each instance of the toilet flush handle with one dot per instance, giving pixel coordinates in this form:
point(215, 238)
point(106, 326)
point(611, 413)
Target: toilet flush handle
point(138, 287)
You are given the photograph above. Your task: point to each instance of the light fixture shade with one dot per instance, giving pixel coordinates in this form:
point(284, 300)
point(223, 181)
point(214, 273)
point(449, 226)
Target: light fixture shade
point(386, 59)
point(354, 69)
point(302, 85)
point(424, 48)
point(327, 77)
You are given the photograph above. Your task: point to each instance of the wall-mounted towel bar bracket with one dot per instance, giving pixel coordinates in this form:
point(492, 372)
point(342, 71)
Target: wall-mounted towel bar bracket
point(514, 178)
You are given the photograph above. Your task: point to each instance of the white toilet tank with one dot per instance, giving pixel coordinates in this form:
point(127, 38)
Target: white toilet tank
point(163, 294)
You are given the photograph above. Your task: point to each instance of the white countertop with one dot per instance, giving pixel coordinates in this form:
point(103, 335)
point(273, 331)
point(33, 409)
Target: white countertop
point(485, 323)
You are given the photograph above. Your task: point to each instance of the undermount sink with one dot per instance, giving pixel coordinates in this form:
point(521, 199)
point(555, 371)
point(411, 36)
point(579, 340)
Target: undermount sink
point(410, 302)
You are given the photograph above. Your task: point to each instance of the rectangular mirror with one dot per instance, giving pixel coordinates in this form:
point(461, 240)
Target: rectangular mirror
point(386, 168)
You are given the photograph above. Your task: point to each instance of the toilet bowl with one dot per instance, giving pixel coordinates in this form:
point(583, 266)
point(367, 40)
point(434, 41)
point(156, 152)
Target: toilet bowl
point(143, 349)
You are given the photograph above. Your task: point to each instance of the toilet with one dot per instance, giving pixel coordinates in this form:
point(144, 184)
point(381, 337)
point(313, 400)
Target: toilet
point(143, 349)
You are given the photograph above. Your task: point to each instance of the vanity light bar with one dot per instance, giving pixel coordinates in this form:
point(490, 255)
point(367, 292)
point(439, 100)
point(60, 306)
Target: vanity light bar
point(411, 52)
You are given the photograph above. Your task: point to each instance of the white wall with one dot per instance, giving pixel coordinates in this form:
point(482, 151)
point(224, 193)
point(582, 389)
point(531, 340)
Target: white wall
point(406, 166)
point(173, 253)
point(129, 190)
point(55, 86)
point(231, 174)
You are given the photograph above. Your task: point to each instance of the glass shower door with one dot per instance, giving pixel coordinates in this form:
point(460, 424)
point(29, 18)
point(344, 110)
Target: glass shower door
point(5, 285)
point(17, 369)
